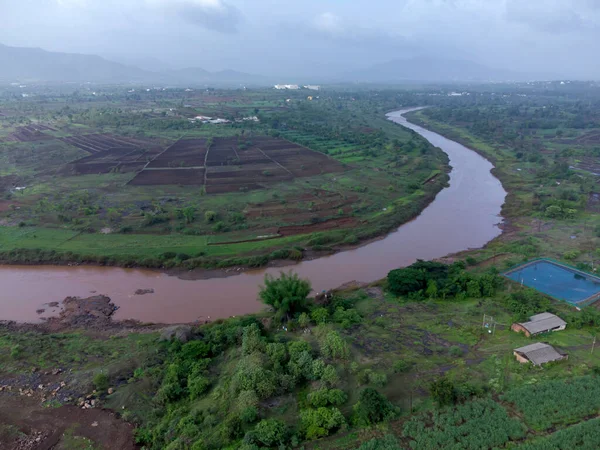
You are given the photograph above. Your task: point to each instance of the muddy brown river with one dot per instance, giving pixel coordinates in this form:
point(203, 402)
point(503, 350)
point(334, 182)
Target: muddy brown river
point(464, 215)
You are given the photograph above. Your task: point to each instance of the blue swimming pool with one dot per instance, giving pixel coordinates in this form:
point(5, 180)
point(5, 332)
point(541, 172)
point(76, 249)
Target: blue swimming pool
point(558, 281)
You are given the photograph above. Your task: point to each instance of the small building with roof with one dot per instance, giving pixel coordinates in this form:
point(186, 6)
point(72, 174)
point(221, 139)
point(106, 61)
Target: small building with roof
point(540, 323)
point(538, 354)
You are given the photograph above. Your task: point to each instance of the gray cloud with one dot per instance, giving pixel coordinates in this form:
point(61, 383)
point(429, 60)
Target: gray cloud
point(213, 15)
point(313, 36)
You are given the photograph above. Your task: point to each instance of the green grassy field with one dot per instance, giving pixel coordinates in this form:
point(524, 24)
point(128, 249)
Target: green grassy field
point(98, 216)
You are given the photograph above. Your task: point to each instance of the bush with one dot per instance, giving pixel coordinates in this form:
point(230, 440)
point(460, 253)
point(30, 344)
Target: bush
point(197, 386)
point(249, 414)
point(304, 320)
point(330, 376)
point(210, 216)
point(101, 382)
point(372, 408)
point(268, 432)
point(287, 294)
point(319, 315)
point(389, 442)
point(443, 392)
point(402, 366)
point(334, 346)
point(346, 317)
point(320, 422)
point(327, 397)
point(455, 351)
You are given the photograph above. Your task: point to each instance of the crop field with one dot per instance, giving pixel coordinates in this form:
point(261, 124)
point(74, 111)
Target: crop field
point(30, 133)
point(109, 153)
point(232, 165)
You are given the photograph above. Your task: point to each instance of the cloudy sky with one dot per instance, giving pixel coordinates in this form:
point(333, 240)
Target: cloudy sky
point(315, 36)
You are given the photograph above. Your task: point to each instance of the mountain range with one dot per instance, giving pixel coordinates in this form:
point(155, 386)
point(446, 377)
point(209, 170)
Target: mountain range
point(18, 64)
point(27, 65)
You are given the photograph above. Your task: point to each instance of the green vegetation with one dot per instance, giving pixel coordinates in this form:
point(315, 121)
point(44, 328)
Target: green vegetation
point(478, 424)
point(364, 360)
point(557, 402)
point(544, 143)
point(68, 213)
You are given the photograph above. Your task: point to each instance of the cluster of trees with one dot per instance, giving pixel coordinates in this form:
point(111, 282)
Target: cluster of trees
point(428, 279)
point(212, 390)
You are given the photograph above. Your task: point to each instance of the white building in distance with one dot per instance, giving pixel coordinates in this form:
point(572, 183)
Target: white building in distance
point(312, 87)
point(293, 87)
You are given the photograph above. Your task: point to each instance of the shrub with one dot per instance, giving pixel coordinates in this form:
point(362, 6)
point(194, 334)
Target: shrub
point(304, 320)
point(249, 414)
point(252, 340)
point(455, 351)
point(327, 397)
point(268, 432)
point(320, 422)
point(443, 392)
point(287, 294)
point(101, 381)
point(346, 317)
point(319, 315)
point(334, 346)
point(210, 216)
point(330, 376)
point(372, 408)
point(194, 350)
point(197, 386)
point(388, 442)
point(402, 366)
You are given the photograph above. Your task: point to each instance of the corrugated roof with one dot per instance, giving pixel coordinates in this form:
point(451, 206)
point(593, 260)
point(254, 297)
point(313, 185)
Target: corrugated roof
point(539, 353)
point(543, 322)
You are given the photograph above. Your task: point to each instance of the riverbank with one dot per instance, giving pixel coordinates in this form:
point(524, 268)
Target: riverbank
point(531, 231)
point(462, 216)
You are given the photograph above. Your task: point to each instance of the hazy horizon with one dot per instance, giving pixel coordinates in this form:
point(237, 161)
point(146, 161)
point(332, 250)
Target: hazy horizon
point(313, 37)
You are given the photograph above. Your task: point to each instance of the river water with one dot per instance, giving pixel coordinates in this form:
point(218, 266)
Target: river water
point(464, 215)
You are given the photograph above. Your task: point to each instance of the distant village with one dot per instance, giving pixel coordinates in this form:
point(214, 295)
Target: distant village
point(217, 120)
point(295, 87)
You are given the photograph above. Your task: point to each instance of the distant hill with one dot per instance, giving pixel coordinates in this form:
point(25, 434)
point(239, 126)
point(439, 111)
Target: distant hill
point(36, 65)
point(18, 64)
point(424, 69)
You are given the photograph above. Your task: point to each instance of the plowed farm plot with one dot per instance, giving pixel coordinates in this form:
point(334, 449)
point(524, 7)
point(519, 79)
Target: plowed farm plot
point(183, 177)
point(31, 133)
point(184, 153)
point(234, 165)
point(109, 153)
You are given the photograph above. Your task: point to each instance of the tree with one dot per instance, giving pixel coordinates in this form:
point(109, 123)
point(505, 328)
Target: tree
point(432, 289)
point(304, 320)
point(405, 281)
point(372, 408)
point(287, 294)
point(334, 346)
point(268, 432)
point(443, 392)
point(189, 213)
point(319, 422)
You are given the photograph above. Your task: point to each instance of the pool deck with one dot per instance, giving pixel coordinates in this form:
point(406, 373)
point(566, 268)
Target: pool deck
point(584, 302)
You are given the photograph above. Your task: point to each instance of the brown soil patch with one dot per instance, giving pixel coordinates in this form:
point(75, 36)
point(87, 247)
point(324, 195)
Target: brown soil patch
point(187, 177)
point(31, 133)
point(234, 164)
point(44, 428)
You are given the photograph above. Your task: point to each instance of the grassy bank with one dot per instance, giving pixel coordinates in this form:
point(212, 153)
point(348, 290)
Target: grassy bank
point(248, 383)
point(532, 229)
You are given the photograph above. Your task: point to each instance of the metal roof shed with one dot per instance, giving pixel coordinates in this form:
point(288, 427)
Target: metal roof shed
point(538, 354)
